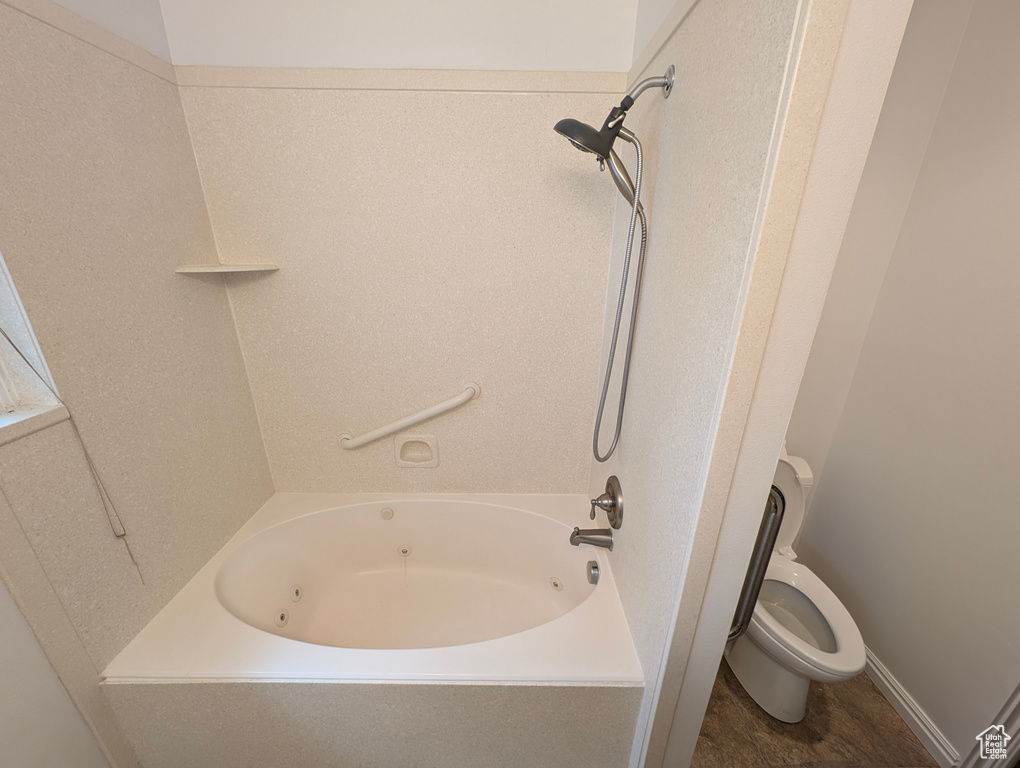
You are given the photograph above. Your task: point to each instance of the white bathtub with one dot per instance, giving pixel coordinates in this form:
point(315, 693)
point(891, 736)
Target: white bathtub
point(393, 587)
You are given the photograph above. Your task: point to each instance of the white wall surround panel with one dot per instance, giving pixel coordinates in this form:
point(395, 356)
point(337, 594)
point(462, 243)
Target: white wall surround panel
point(568, 35)
point(138, 21)
point(38, 723)
point(914, 522)
point(915, 94)
point(425, 238)
point(708, 150)
point(236, 724)
point(822, 151)
point(49, 486)
point(95, 34)
point(101, 200)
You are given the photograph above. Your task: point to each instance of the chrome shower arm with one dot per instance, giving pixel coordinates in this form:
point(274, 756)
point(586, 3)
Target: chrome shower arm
point(665, 82)
point(616, 114)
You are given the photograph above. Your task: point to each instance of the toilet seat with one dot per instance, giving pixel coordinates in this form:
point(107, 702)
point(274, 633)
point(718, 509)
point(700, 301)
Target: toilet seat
point(797, 654)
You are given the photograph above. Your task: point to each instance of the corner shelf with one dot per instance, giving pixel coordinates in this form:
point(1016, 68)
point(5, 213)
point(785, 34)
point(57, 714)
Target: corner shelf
point(206, 269)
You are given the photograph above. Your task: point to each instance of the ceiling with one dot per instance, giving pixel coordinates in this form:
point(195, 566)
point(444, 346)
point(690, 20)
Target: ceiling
point(536, 35)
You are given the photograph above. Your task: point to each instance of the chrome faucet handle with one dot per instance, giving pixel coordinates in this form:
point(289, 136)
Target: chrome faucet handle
point(611, 501)
point(605, 501)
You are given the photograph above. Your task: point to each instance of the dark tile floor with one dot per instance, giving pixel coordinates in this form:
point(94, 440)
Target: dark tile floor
point(848, 725)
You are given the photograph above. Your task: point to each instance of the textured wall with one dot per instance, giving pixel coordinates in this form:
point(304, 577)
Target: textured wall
point(99, 201)
point(706, 148)
point(425, 238)
point(268, 725)
point(846, 57)
point(914, 521)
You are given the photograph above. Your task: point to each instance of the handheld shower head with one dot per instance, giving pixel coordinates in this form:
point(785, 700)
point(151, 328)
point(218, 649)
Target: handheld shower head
point(600, 142)
point(587, 139)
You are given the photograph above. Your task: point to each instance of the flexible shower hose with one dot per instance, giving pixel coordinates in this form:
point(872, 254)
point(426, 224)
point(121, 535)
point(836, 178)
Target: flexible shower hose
point(636, 214)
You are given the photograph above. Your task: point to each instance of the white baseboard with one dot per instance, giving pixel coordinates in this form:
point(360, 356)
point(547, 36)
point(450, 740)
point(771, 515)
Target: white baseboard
point(916, 718)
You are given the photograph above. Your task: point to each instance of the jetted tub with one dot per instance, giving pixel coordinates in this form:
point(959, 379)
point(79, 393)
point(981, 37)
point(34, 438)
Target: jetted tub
point(406, 574)
point(374, 587)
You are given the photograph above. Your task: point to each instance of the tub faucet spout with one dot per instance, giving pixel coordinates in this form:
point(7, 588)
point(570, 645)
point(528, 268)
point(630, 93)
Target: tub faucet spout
point(597, 537)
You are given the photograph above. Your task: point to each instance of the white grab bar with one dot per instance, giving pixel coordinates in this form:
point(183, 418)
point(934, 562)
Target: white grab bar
point(471, 391)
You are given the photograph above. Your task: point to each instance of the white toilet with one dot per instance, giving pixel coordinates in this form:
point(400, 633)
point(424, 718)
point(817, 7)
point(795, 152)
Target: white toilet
point(800, 630)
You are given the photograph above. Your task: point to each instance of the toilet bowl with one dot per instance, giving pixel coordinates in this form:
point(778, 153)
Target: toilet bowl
point(800, 631)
